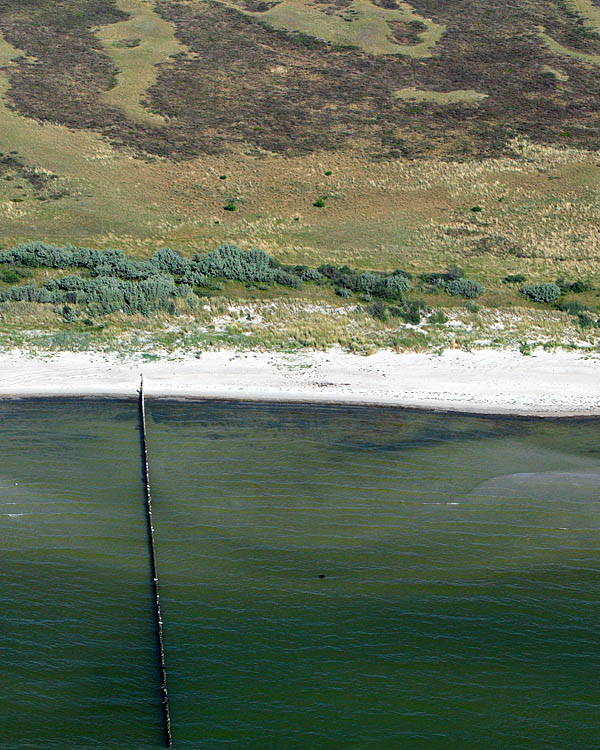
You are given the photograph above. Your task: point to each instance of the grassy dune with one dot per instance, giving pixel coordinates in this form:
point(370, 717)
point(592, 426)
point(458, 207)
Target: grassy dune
point(411, 154)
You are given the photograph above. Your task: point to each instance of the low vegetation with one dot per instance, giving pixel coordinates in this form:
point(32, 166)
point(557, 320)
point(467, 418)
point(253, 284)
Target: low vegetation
point(541, 292)
point(449, 200)
point(182, 78)
point(91, 294)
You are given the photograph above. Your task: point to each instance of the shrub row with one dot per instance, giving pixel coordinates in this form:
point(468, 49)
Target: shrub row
point(227, 262)
point(99, 262)
point(453, 282)
point(550, 292)
point(388, 286)
point(120, 283)
point(103, 295)
point(230, 262)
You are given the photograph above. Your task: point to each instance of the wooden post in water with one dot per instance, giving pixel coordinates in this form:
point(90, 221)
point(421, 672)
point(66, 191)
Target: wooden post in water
point(154, 571)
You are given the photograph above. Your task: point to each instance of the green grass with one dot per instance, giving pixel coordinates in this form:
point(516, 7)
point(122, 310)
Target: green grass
point(137, 64)
point(561, 49)
point(457, 96)
point(589, 11)
point(362, 24)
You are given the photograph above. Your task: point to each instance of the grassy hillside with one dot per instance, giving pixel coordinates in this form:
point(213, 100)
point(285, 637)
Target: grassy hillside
point(373, 133)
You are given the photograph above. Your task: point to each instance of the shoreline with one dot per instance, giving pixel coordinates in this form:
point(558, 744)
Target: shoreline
point(487, 382)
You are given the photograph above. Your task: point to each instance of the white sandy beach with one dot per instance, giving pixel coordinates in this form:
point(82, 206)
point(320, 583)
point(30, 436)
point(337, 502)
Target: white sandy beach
point(498, 382)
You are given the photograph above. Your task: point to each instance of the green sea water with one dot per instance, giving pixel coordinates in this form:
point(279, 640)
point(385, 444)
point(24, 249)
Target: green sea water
point(331, 578)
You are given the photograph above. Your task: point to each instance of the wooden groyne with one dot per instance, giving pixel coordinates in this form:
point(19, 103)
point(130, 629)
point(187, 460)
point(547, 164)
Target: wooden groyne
point(154, 571)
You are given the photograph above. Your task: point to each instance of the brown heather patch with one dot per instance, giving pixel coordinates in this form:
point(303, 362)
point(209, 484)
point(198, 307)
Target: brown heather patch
point(223, 94)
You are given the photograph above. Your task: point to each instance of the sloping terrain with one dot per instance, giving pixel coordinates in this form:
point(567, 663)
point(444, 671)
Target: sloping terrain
point(375, 133)
point(297, 76)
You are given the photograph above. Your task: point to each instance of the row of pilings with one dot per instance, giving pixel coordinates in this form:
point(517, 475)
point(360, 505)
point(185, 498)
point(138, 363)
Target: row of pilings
point(154, 572)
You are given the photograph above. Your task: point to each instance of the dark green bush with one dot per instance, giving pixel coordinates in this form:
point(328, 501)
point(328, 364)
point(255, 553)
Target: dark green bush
point(564, 286)
point(517, 278)
point(585, 320)
point(335, 274)
point(439, 317)
point(171, 261)
point(378, 310)
point(10, 276)
point(433, 278)
point(69, 314)
point(543, 293)
point(581, 286)
point(454, 272)
point(577, 287)
point(410, 312)
point(391, 286)
point(573, 308)
point(465, 288)
point(305, 273)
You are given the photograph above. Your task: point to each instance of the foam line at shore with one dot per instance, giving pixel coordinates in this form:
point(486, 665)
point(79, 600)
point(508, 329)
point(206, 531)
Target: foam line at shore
point(487, 382)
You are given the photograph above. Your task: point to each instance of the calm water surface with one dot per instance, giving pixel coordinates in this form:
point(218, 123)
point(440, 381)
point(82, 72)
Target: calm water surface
point(331, 578)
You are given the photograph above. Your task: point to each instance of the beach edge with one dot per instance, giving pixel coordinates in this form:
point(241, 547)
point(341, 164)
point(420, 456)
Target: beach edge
point(486, 382)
